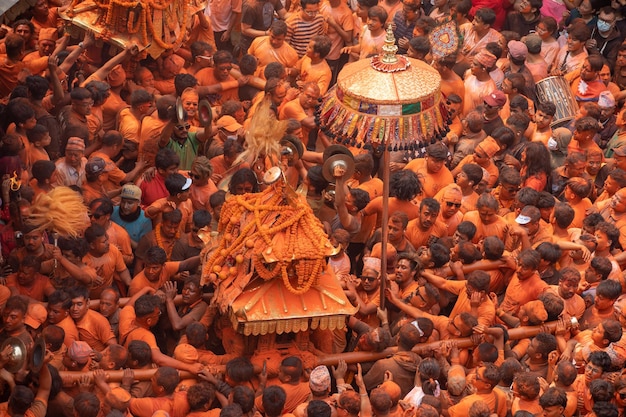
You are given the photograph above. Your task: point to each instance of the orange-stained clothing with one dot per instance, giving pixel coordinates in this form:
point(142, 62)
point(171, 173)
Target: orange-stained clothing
point(296, 395)
point(580, 212)
point(199, 196)
point(206, 76)
point(294, 110)
point(37, 291)
point(409, 208)
point(265, 53)
point(497, 228)
point(519, 292)
point(491, 168)
point(130, 331)
point(119, 237)
point(486, 309)
point(92, 191)
point(432, 182)
point(108, 266)
point(574, 306)
point(71, 332)
point(176, 405)
point(319, 73)
point(141, 281)
point(419, 237)
point(8, 75)
point(95, 329)
point(185, 207)
point(110, 108)
point(343, 16)
point(150, 133)
point(496, 400)
point(129, 125)
point(115, 176)
point(374, 188)
point(31, 59)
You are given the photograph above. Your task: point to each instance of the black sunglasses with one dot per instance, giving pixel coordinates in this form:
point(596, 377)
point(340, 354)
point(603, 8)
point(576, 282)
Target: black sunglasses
point(450, 204)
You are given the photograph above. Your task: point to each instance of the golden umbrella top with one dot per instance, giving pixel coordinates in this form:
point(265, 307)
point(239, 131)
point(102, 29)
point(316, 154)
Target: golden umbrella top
point(388, 99)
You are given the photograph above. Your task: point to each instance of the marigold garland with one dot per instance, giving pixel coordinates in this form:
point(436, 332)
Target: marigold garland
point(304, 242)
point(159, 241)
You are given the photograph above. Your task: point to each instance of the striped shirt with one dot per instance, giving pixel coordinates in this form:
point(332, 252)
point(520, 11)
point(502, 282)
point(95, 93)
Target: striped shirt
point(300, 31)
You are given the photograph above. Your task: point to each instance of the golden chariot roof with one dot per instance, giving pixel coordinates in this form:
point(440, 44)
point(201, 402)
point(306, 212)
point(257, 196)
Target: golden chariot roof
point(268, 307)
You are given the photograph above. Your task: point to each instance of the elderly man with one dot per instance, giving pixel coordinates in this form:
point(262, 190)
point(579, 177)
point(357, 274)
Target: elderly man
point(302, 108)
point(70, 169)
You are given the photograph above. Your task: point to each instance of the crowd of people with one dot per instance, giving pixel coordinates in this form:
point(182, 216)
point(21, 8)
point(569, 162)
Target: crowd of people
point(503, 288)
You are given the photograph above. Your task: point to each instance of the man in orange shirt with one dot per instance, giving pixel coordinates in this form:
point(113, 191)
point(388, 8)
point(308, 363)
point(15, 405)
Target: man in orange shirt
point(27, 281)
point(273, 48)
point(93, 327)
point(175, 404)
point(140, 314)
point(112, 143)
point(107, 260)
point(425, 227)
point(526, 285)
point(101, 210)
point(131, 118)
point(486, 378)
point(302, 109)
point(219, 76)
point(11, 65)
point(157, 270)
point(431, 170)
point(59, 303)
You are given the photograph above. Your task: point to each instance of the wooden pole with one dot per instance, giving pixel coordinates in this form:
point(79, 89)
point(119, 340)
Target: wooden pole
point(71, 378)
point(357, 357)
point(384, 223)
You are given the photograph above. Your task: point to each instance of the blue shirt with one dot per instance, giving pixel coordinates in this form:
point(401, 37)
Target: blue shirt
point(135, 229)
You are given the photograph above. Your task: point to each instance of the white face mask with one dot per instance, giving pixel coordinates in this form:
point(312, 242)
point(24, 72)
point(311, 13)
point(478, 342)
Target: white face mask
point(552, 144)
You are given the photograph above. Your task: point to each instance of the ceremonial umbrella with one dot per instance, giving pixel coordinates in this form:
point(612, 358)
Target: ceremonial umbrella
point(388, 100)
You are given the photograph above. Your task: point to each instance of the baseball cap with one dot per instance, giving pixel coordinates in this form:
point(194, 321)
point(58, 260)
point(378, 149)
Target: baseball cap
point(229, 123)
point(621, 151)
point(187, 184)
point(518, 50)
point(36, 315)
point(495, 99)
point(131, 192)
point(95, 165)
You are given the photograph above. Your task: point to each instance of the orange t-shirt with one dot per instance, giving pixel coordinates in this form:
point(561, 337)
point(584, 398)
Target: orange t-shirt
point(519, 292)
point(199, 196)
point(71, 332)
point(129, 331)
point(107, 266)
point(486, 310)
point(206, 76)
point(37, 291)
point(119, 237)
point(431, 182)
point(95, 329)
point(410, 208)
point(141, 281)
point(418, 237)
point(498, 228)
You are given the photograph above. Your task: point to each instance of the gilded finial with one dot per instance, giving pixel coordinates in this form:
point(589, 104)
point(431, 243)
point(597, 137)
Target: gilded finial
point(390, 48)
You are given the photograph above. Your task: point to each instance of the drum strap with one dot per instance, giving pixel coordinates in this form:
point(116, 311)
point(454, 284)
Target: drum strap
point(563, 66)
